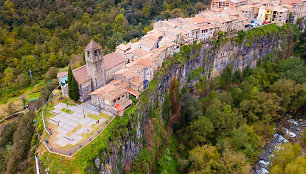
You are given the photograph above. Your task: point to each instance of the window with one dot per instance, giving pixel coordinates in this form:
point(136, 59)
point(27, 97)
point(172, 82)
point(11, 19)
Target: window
point(114, 101)
point(118, 98)
point(87, 53)
point(122, 96)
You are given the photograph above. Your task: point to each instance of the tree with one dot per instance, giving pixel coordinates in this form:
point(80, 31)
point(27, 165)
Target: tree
point(237, 76)
point(52, 73)
point(286, 156)
point(292, 68)
point(19, 156)
point(199, 132)
point(199, 6)
point(226, 77)
point(114, 40)
point(292, 95)
point(204, 159)
point(297, 166)
point(246, 141)
point(73, 87)
point(189, 109)
point(118, 23)
point(8, 76)
point(235, 162)
point(11, 108)
point(22, 81)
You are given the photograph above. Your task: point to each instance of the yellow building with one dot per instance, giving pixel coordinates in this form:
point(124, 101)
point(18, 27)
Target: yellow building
point(274, 14)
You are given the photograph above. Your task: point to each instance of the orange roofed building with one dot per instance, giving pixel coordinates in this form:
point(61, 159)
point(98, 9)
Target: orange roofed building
point(114, 97)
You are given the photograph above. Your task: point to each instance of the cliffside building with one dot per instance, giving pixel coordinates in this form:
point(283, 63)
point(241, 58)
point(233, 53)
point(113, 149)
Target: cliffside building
point(98, 71)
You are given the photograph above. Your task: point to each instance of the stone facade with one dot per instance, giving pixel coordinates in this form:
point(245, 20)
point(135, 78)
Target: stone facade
point(84, 90)
point(95, 64)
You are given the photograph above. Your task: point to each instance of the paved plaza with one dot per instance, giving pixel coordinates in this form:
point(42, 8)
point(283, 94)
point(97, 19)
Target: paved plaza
point(72, 127)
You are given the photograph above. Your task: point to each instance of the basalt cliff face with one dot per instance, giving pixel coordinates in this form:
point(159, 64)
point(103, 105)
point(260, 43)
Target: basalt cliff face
point(213, 57)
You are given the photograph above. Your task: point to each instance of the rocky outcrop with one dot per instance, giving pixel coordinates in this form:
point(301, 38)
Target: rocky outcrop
point(213, 57)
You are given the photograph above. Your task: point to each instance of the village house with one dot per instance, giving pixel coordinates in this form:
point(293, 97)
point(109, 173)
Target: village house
point(138, 74)
point(134, 54)
point(225, 4)
point(207, 32)
point(123, 48)
point(275, 14)
point(113, 97)
point(297, 8)
point(248, 11)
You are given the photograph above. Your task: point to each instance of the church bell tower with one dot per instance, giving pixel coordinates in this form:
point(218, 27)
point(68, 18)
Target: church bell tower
point(95, 64)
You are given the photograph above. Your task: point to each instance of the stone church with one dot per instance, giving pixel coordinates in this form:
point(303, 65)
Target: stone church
point(98, 71)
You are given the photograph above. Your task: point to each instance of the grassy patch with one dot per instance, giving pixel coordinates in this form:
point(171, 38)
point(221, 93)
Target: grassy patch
point(93, 116)
point(102, 115)
point(12, 94)
point(33, 95)
point(48, 110)
point(67, 103)
point(67, 111)
point(152, 84)
point(130, 111)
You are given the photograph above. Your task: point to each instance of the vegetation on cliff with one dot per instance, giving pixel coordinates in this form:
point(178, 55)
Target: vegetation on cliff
point(224, 131)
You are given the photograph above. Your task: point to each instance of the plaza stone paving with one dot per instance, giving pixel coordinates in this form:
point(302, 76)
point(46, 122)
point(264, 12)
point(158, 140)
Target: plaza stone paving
point(65, 123)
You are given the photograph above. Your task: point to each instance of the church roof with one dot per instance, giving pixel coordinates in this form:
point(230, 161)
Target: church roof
point(111, 60)
point(92, 45)
point(80, 74)
point(146, 62)
point(112, 90)
point(136, 82)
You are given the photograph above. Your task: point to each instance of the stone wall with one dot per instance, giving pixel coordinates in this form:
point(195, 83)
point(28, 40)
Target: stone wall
point(84, 90)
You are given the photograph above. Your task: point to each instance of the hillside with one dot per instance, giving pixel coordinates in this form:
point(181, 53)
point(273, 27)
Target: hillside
point(37, 35)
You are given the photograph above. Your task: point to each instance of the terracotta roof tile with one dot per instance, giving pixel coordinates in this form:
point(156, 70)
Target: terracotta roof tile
point(146, 62)
point(112, 60)
point(80, 74)
point(199, 20)
point(118, 107)
point(123, 47)
point(112, 90)
point(126, 72)
point(136, 81)
point(138, 52)
point(133, 92)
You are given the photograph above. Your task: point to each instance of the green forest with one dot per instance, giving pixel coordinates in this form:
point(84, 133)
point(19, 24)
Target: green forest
point(37, 35)
point(225, 130)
